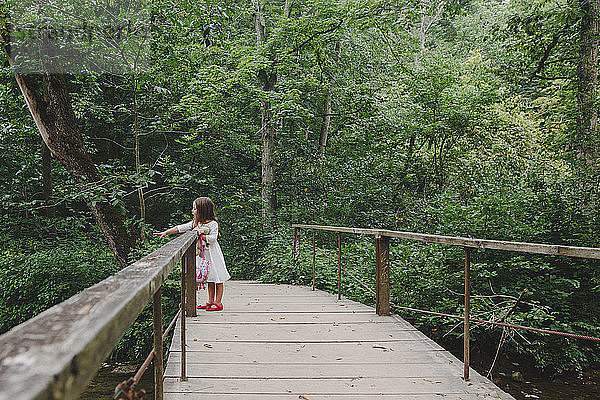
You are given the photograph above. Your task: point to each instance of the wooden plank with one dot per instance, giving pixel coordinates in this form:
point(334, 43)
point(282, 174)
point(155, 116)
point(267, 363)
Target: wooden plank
point(306, 371)
point(372, 396)
point(55, 354)
point(313, 386)
point(293, 307)
point(294, 318)
point(309, 354)
point(298, 333)
point(302, 353)
point(523, 247)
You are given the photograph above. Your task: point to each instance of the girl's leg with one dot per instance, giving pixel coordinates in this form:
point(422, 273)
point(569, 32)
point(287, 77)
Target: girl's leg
point(219, 294)
point(211, 292)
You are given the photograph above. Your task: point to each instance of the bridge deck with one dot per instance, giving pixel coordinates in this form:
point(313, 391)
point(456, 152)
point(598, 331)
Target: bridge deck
point(288, 342)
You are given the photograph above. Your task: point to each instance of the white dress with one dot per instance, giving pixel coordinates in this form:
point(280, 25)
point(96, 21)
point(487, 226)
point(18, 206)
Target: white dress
point(217, 271)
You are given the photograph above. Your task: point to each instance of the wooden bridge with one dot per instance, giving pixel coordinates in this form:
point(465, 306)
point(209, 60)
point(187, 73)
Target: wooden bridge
point(270, 342)
point(290, 342)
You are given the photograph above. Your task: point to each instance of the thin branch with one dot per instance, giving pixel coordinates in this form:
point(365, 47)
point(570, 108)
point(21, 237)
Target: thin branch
point(110, 140)
point(314, 35)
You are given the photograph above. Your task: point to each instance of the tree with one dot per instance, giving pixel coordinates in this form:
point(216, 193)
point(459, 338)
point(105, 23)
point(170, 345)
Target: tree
point(267, 78)
point(51, 110)
point(587, 82)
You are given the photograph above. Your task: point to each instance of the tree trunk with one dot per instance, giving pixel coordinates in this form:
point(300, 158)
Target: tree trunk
point(326, 122)
point(587, 83)
point(47, 180)
point(138, 164)
point(267, 162)
point(267, 79)
point(424, 27)
point(58, 127)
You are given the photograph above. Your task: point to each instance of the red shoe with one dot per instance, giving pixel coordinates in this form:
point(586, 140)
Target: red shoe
point(215, 307)
point(204, 307)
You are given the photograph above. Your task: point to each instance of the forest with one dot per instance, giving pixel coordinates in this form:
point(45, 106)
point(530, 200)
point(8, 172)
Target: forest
point(473, 118)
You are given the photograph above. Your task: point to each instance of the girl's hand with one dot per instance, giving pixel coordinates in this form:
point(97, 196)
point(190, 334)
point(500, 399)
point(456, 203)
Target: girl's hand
point(202, 229)
point(161, 234)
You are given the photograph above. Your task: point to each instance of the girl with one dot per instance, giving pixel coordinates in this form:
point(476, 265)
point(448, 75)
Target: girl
point(205, 222)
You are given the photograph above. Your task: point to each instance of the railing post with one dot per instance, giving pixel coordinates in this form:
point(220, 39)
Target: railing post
point(382, 275)
point(339, 243)
point(314, 257)
point(190, 271)
point(467, 334)
point(183, 313)
point(158, 345)
point(296, 245)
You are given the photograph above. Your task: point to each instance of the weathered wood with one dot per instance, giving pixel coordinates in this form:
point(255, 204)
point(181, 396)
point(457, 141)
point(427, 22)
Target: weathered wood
point(467, 327)
point(382, 275)
point(339, 265)
point(189, 263)
point(296, 396)
point(412, 352)
point(272, 354)
point(158, 344)
point(282, 318)
point(298, 307)
point(55, 354)
point(307, 333)
point(325, 386)
point(316, 370)
point(296, 246)
point(533, 248)
point(314, 246)
point(182, 310)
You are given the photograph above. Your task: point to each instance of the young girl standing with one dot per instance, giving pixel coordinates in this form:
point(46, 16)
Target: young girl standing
point(205, 222)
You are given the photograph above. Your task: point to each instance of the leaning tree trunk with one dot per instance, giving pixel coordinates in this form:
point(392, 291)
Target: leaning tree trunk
point(587, 84)
point(56, 122)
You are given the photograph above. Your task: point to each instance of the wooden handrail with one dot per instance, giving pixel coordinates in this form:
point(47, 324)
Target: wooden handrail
point(382, 290)
point(57, 353)
point(534, 248)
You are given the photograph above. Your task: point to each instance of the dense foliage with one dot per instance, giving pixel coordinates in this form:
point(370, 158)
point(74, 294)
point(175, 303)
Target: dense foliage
point(450, 117)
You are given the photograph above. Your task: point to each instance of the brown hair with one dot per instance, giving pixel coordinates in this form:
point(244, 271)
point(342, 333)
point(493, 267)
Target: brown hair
point(205, 211)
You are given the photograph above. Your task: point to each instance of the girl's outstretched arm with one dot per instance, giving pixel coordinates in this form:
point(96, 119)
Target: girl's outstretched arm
point(175, 229)
point(169, 231)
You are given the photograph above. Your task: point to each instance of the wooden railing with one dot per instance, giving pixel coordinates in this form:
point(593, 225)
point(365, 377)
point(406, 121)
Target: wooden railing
point(382, 270)
point(57, 353)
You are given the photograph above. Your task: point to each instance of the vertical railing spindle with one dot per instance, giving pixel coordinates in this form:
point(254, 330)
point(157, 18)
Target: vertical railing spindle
point(314, 241)
point(158, 345)
point(339, 243)
point(183, 313)
point(296, 246)
point(467, 334)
